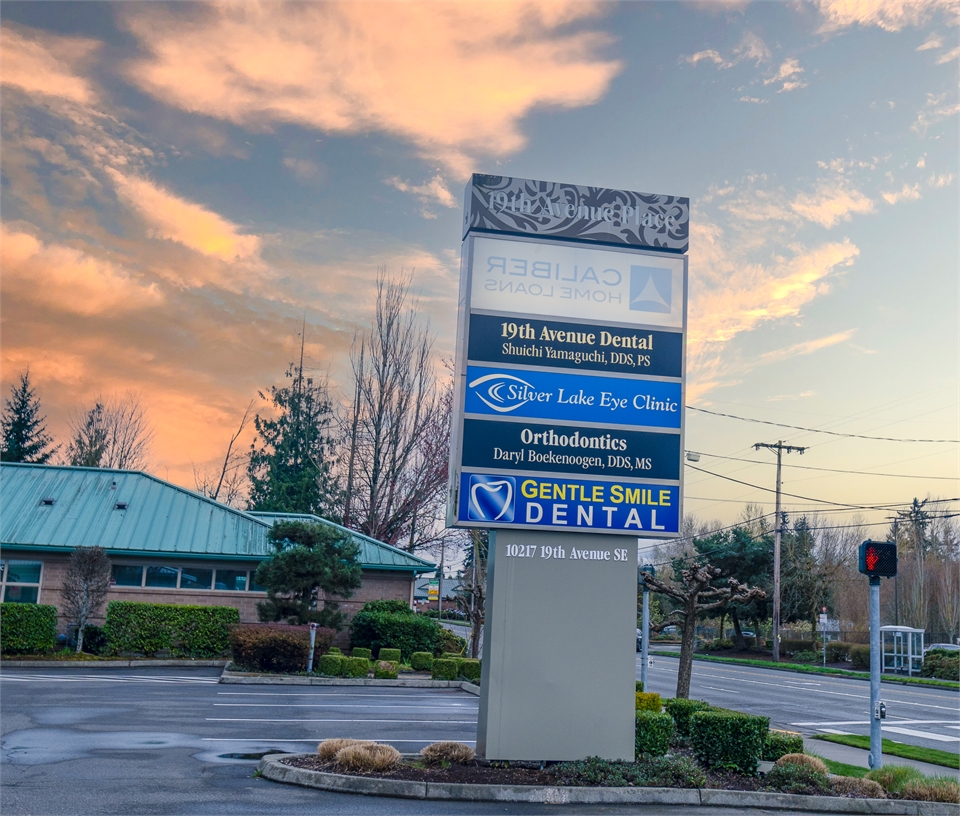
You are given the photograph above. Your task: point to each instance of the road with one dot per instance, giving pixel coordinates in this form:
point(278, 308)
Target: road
point(814, 704)
point(130, 741)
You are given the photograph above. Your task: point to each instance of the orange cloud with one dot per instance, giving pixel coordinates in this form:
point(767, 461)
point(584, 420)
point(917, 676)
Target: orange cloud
point(830, 204)
point(177, 219)
point(42, 63)
point(891, 15)
point(453, 78)
point(65, 279)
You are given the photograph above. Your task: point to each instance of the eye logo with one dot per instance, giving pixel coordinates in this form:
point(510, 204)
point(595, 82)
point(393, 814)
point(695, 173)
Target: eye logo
point(651, 289)
point(492, 498)
point(489, 390)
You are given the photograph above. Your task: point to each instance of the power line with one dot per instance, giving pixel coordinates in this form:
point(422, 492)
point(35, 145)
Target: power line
point(806, 498)
point(831, 470)
point(820, 430)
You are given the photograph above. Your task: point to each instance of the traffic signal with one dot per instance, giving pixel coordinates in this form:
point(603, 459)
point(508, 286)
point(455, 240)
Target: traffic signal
point(878, 558)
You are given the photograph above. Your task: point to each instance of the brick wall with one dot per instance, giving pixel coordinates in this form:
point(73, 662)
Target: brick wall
point(376, 585)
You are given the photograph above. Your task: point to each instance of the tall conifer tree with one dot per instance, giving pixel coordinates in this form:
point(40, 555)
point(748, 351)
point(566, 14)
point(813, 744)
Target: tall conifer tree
point(25, 437)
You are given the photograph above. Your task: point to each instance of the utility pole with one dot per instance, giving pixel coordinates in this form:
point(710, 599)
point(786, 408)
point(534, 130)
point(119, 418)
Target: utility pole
point(780, 448)
point(896, 586)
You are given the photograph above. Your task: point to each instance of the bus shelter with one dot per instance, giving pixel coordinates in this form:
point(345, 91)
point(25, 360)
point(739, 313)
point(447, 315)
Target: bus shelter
point(901, 648)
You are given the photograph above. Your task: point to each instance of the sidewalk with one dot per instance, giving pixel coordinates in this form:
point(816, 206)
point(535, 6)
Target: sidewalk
point(858, 757)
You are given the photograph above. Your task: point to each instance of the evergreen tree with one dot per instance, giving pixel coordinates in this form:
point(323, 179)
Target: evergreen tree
point(25, 437)
point(290, 465)
point(312, 561)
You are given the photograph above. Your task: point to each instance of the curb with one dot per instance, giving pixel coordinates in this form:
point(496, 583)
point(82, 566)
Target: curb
point(271, 768)
point(250, 679)
point(787, 667)
point(112, 664)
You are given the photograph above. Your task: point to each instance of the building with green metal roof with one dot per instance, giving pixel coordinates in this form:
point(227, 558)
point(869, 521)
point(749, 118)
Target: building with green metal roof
point(167, 544)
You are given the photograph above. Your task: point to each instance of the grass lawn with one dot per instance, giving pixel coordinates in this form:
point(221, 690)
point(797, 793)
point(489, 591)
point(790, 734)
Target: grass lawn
point(808, 668)
point(842, 769)
point(899, 749)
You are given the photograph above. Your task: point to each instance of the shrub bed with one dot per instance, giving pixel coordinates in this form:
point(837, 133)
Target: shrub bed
point(276, 648)
point(728, 739)
point(421, 661)
point(187, 631)
point(27, 628)
point(647, 771)
point(654, 730)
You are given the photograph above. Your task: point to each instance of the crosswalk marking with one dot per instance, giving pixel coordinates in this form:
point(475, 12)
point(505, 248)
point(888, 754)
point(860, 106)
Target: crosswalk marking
point(910, 732)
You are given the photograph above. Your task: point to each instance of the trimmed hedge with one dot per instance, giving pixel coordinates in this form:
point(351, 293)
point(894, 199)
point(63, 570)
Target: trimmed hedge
point(682, 709)
point(354, 667)
point(421, 661)
point(187, 631)
point(860, 656)
point(27, 628)
point(445, 669)
point(942, 664)
point(356, 651)
point(649, 701)
point(277, 648)
point(781, 743)
point(451, 656)
point(334, 650)
point(838, 651)
point(385, 670)
point(408, 632)
point(654, 731)
point(330, 664)
point(392, 655)
point(794, 645)
point(728, 739)
point(469, 668)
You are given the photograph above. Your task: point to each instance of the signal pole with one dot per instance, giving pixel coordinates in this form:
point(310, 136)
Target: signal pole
point(780, 448)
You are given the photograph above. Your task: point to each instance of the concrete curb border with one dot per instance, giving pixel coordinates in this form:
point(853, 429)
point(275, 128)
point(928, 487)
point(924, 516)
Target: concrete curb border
point(271, 768)
point(133, 663)
point(251, 679)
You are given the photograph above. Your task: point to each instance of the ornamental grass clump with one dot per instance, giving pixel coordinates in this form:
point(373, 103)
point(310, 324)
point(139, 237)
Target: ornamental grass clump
point(932, 789)
point(893, 778)
point(367, 758)
point(803, 759)
point(328, 749)
point(455, 753)
point(854, 788)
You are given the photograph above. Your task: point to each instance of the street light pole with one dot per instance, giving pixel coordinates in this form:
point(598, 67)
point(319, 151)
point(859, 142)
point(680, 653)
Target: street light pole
point(780, 448)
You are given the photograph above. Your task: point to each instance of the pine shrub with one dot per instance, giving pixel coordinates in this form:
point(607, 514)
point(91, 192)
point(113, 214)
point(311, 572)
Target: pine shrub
point(681, 709)
point(779, 743)
point(728, 739)
point(385, 670)
point(654, 730)
point(330, 664)
point(648, 701)
point(389, 654)
point(27, 628)
point(421, 661)
point(445, 669)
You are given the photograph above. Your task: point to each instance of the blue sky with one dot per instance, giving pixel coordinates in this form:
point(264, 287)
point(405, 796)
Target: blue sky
point(182, 184)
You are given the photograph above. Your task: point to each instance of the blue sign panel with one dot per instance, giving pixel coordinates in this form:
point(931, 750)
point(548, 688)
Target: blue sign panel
point(572, 397)
point(502, 500)
point(562, 344)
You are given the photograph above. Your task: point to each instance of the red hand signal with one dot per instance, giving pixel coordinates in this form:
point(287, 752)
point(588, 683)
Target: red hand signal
point(872, 558)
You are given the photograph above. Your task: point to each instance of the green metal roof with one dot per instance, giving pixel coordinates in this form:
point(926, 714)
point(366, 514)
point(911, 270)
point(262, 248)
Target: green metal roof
point(129, 512)
point(373, 554)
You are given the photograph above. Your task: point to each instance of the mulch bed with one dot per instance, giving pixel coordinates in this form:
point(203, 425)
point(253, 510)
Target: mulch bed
point(481, 772)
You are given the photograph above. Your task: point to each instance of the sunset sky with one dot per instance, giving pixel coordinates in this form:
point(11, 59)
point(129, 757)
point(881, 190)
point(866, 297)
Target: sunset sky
point(182, 184)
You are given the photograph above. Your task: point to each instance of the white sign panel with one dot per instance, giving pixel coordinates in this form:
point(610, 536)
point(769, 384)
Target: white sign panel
point(558, 280)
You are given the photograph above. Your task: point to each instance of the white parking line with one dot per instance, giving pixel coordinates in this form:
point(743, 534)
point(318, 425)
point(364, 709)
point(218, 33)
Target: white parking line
point(314, 740)
point(328, 705)
point(352, 720)
point(924, 734)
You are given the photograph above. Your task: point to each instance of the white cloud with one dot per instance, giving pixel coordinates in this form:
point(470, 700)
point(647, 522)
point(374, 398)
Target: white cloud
point(936, 109)
point(806, 347)
point(941, 180)
point(950, 56)
point(831, 203)
point(433, 190)
point(921, 162)
point(710, 56)
point(41, 63)
point(789, 68)
point(908, 193)
point(750, 47)
point(890, 15)
point(754, 100)
point(933, 41)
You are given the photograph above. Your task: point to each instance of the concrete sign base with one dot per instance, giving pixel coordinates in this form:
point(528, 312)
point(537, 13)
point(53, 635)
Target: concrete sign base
point(559, 647)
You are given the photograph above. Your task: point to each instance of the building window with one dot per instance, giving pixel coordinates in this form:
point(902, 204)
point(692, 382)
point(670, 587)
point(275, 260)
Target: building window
point(233, 580)
point(20, 581)
point(162, 577)
point(191, 578)
point(125, 575)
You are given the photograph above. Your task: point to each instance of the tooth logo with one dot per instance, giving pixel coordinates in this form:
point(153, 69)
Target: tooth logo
point(651, 289)
point(489, 389)
point(492, 498)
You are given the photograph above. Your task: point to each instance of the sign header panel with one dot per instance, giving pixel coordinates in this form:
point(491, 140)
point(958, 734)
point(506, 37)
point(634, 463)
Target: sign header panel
point(581, 282)
point(569, 211)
